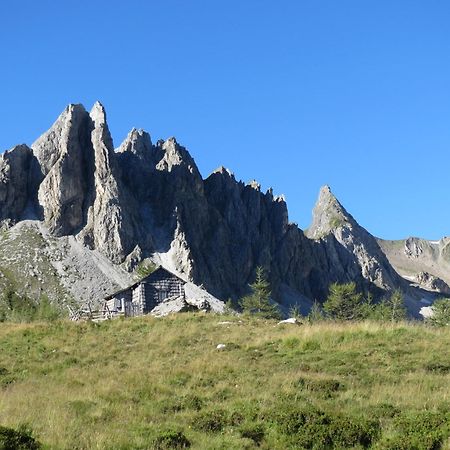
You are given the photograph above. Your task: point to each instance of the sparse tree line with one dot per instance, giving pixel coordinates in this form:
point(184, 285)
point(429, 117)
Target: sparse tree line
point(344, 303)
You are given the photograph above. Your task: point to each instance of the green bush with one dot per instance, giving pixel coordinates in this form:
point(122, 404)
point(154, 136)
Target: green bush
point(421, 430)
point(441, 313)
point(20, 308)
point(438, 367)
point(253, 431)
point(311, 428)
point(316, 313)
point(186, 402)
point(211, 421)
point(325, 387)
point(170, 439)
point(144, 269)
point(20, 439)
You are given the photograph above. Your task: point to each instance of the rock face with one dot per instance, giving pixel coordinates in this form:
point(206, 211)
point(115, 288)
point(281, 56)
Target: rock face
point(432, 283)
point(367, 259)
point(414, 256)
point(80, 192)
point(63, 154)
point(148, 200)
point(17, 182)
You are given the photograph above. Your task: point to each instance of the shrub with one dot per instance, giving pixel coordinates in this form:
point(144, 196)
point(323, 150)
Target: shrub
point(144, 269)
point(253, 431)
point(309, 427)
point(421, 430)
point(211, 420)
point(174, 404)
point(171, 439)
point(438, 367)
point(46, 311)
point(20, 308)
point(20, 439)
point(326, 387)
point(295, 311)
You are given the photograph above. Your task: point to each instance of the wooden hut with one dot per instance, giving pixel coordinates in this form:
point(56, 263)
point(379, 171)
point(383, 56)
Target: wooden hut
point(143, 296)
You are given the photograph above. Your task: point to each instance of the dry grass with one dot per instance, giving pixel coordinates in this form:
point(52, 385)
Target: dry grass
point(123, 384)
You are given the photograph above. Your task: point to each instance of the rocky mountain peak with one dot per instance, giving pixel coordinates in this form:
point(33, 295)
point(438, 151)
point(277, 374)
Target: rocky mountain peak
point(224, 171)
point(153, 198)
point(176, 157)
point(254, 185)
point(137, 142)
point(55, 142)
point(332, 223)
point(98, 113)
point(328, 214)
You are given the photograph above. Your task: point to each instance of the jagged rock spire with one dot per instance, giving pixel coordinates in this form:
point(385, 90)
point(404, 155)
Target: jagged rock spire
point(328, 214)
point(216, 230)
point(138, 142)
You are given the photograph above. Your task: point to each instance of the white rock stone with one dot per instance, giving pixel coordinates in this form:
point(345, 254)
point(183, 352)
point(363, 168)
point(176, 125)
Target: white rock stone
point(291, 320)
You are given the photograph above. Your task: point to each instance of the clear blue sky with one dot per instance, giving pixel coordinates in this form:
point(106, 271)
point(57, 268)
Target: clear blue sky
point(297, 94)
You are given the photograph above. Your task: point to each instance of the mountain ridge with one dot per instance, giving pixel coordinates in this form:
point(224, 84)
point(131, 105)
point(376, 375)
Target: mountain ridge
point(144, 200)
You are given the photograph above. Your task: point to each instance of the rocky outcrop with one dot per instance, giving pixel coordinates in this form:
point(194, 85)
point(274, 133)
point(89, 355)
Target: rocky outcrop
point(432, 283)
point(148, 200)
point(369, 261)
point(110, 225)
point(17, 182)
point(64, 154)
point(80, 192)
point(414, 255)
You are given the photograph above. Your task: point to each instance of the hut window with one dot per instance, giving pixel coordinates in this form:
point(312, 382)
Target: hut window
point(162, 295)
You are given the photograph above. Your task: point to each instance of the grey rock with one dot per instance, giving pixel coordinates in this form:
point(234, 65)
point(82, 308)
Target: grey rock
point(63, 154)
point(110, 219)
point(331, 219)
point(16, 182)
point(414, 255)
point(149, 200)
point(432, 283)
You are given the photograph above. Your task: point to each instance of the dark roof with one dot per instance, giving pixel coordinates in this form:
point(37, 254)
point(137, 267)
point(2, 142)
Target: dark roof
point(134, 285)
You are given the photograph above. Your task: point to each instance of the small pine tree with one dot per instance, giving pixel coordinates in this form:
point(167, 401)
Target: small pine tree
point(441, 313)
point(396, 305)
point(344, 302)
point(316, 313)
point(391, 309)
point(258, 302)
point(294, 311)
point(367, 307)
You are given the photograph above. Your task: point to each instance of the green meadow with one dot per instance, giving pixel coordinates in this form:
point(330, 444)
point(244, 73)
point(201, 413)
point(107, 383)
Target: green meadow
point(148, 383)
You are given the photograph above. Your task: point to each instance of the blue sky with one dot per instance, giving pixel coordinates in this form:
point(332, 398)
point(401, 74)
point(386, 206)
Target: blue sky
point(296, 94)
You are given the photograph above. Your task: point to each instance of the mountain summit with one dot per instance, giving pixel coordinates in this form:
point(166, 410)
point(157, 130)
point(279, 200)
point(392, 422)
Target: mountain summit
point(149, 201)
point(328, 214)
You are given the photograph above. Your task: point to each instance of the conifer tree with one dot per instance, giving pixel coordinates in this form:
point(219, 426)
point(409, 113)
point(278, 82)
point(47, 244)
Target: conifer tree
point(258, 301)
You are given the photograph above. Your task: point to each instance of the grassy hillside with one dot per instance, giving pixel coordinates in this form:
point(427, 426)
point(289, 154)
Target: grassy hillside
point(158, 383)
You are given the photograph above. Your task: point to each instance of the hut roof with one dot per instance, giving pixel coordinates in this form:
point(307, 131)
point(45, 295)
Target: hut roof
point(137, 283)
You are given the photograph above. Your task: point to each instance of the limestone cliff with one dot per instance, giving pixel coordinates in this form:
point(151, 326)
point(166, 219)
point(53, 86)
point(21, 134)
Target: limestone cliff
point(147, 200)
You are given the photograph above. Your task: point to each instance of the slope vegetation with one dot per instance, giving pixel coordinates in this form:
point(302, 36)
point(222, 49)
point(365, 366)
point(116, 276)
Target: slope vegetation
point(152, 383)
